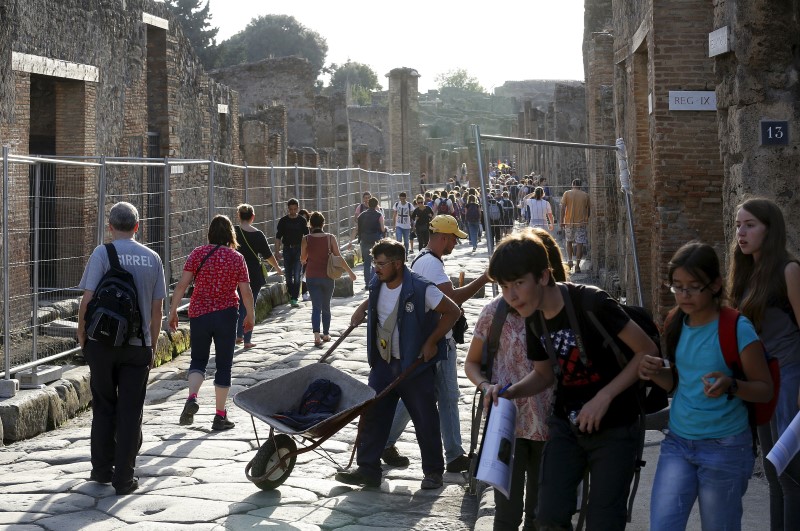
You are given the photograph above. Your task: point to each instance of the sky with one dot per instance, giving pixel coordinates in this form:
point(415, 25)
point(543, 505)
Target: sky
point(496, 41)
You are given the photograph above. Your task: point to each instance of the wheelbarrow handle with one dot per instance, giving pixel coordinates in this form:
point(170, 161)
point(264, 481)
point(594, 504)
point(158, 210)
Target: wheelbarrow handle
point(337, 343)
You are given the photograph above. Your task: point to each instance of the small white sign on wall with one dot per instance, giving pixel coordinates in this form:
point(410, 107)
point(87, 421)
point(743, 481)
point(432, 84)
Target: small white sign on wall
point(718, 42)
point(692, 100)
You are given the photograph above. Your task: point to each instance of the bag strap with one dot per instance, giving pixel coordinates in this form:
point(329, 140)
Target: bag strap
point(212, 251)
point(728, 342)
point(493, 339)
point(248, 244)
point(113, 257)
point(330, 251)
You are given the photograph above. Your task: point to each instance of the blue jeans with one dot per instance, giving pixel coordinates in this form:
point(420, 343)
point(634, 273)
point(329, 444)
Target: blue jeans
point(321, 291)
point(219, 327)
point(243, 313)
point(405, 234)
point(609, 454)
point(366, 257)
point(293, 270)
point(447, 396)
point(473, 228)
point(713, 471)
point(784, 490)
point(418, 392)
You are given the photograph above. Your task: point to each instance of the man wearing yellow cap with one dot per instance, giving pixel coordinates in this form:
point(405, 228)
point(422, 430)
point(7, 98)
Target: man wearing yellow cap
point(428, 264)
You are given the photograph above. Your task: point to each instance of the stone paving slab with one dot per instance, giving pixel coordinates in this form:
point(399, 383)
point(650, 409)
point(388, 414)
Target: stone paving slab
point(193, 478)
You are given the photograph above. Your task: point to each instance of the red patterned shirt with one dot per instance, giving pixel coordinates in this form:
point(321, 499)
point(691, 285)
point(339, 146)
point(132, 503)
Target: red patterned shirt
point(215, 285)
point(511, 365)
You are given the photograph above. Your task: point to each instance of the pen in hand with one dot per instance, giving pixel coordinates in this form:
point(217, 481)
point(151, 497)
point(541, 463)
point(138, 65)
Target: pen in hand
point(504, 389)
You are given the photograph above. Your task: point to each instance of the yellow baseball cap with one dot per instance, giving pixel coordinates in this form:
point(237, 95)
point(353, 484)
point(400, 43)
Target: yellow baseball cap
point(447, 224)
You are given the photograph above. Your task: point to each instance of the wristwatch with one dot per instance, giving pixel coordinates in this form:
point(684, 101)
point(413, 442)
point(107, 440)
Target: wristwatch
point(733, 388)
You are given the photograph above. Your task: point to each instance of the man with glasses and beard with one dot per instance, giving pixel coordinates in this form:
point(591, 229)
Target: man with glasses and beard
point(401, 327)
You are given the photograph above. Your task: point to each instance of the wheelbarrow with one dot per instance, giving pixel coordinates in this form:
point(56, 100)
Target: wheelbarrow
point(276, 458)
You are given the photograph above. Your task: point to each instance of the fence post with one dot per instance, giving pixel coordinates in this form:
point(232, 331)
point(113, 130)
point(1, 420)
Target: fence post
point(348, 192)
point(211, 190)
point(274, 202)
point(338, 214)
point(101, 202)
point(246, 183)
point(6, 260)
point(167, 243)
point(296, 182)
point(319, 189)
point(37, 194)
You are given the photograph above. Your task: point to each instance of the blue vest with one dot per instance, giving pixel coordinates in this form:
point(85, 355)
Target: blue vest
point(414, 326)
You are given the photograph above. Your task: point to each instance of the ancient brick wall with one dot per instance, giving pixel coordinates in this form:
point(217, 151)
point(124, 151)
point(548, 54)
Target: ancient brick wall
point(676, 176)
point(287, 81)
point(601, 170)
point(758, 80)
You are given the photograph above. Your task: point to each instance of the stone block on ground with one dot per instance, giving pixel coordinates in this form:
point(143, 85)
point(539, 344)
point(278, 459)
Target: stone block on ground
point(343, 287)
point(64, 403)
point(80, 380)
point(25, 415)
point(263, 304)
point(60, 328)
point(164, 352)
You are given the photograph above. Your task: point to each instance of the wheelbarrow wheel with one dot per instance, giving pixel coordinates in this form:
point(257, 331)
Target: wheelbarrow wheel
point(267, 457)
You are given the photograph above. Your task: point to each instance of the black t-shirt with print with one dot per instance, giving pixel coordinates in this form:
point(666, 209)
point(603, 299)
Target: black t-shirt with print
point(577, 384)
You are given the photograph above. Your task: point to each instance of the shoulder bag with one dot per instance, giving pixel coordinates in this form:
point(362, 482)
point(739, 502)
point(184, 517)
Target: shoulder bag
point(336, 264)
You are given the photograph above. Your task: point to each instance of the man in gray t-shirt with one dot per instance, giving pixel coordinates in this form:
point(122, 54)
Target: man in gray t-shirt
point(119, 374)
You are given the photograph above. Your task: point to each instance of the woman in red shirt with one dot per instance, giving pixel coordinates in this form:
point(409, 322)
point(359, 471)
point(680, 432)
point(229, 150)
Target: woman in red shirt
point(217, 270)
point(314, 251)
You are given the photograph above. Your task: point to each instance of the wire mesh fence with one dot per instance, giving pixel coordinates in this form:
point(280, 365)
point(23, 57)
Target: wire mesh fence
point(55, 212)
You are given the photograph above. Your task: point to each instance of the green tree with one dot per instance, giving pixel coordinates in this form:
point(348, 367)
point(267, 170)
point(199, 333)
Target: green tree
point(273, 36)
point(195, 20)
point(361, 78)
point(459, 79)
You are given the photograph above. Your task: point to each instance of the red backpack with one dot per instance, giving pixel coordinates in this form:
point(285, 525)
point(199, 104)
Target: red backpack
point(760, 412)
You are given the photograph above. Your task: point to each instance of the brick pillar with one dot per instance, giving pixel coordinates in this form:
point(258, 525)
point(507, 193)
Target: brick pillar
point(404, 141)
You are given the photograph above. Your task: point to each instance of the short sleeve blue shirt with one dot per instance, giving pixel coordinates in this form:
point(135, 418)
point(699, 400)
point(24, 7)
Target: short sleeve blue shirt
point(693, 415)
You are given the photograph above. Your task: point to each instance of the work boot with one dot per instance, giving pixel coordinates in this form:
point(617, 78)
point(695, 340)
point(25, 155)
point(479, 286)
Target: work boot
point(459, 464)
point(431, 481)
point(357, 478)
point(392, 457)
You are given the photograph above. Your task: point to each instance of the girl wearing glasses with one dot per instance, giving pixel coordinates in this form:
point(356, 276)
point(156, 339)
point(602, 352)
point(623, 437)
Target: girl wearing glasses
point(764, 282)
point(707, 455)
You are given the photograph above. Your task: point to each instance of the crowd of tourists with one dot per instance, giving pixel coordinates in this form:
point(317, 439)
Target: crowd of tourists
point(555, 349)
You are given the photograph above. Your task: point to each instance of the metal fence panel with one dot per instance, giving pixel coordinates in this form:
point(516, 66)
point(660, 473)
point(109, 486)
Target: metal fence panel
point(55, 212)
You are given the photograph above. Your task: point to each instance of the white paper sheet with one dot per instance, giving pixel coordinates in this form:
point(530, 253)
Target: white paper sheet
point(786, 446)
point(497, 452)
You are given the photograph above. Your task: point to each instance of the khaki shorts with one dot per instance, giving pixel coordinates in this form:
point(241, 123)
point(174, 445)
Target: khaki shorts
point(576, 234)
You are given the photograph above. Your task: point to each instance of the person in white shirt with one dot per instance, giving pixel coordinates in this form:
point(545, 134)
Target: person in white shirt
point(402, 220)
point(428, 264)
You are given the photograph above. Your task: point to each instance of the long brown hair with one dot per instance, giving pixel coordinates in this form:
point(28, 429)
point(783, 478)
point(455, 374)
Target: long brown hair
point(220, 232)
point(754, 285)
point(701, 261)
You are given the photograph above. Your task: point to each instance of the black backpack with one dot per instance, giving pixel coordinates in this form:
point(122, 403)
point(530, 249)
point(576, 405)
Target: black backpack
point(113, 315)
